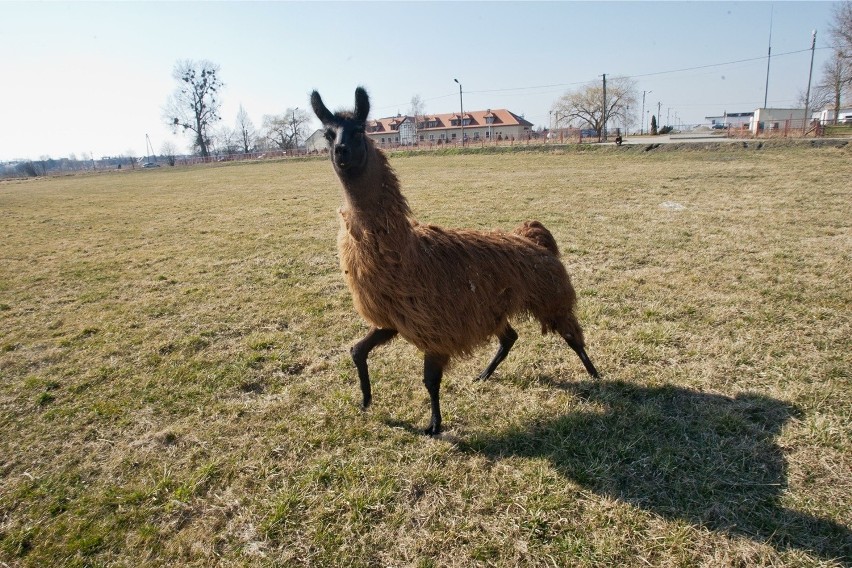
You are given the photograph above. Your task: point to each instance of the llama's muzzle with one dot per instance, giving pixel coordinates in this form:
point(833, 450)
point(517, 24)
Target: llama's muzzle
point(342, 155)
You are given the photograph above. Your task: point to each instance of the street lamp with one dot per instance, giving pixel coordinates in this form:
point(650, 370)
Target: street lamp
point(461, 105)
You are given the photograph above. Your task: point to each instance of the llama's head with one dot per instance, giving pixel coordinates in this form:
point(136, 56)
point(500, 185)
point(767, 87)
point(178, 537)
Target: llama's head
point(345, 132)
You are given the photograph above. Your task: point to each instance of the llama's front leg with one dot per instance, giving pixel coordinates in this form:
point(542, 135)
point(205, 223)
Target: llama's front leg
point(507, 339)
point(375, 337)
point(433, 370)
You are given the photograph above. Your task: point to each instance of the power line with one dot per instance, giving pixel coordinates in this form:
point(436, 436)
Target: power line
point(637, 76)
point(750, 59)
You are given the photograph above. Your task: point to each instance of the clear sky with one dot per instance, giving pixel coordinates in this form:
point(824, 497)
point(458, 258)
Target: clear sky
point(93, 77)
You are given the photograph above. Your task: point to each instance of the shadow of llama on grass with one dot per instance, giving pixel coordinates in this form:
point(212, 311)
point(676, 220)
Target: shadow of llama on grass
point(708, 459)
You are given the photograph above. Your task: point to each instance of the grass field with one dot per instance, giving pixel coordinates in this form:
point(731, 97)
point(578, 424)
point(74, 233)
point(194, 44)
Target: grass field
point(176, 389)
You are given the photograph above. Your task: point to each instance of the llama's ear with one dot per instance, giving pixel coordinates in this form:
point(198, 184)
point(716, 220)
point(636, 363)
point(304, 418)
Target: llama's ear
point(322, 113)
point(362, 104)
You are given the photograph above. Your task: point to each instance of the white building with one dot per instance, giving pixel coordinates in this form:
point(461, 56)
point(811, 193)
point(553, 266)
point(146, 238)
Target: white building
point(316, 142)
point(776, 119)
point(730, 119)
point(826, 116)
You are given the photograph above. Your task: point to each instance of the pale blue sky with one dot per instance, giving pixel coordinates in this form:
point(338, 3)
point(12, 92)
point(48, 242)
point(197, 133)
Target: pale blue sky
point(93, 77)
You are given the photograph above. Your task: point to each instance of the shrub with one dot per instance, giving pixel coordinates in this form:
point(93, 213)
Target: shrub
point(27, 169)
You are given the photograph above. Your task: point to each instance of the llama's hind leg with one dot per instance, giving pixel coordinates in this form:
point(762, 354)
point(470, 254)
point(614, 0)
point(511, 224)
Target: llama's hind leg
point(572, 333)
point(433, 370)
point(507, 339)
point(581, 352)
point(375, 337)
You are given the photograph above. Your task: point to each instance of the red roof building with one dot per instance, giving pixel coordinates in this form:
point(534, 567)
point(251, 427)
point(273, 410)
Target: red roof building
point(479, 125)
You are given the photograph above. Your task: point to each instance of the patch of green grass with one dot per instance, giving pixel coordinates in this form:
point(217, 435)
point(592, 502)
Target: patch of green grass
point(177, 389)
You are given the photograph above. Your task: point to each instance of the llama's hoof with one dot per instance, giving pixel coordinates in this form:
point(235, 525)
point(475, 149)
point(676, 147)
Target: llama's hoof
point(366, 402)
point(433, 430)
point(484, 375)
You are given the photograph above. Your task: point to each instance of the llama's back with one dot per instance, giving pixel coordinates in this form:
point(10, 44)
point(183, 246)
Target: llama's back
point(451, 290)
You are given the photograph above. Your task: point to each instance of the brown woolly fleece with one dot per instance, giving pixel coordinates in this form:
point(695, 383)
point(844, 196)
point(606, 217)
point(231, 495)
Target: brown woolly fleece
point(447, 291)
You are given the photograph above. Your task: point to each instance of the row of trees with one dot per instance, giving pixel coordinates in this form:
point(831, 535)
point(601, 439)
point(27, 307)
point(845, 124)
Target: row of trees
point(194, 108)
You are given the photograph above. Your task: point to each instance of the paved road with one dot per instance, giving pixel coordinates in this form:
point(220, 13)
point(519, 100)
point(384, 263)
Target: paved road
point(677, 138)
point(717, 138)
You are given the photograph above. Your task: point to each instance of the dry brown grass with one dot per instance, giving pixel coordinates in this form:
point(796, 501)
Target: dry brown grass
point(175, 386)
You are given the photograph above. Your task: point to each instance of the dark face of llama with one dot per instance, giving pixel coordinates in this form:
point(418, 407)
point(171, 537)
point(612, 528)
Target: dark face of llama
point(345, 132)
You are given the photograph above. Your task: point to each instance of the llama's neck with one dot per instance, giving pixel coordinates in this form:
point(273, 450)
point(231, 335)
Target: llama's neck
point(373, 200)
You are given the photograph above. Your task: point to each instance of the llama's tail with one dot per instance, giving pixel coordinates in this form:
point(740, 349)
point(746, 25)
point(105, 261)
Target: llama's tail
point(538, 233)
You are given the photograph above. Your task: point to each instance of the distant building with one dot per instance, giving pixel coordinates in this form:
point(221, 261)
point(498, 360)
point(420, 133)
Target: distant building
point(826, 116)
point(733, 120)
point(498, 124)
point(396, 130)
point(776, 119)
point(316, 142)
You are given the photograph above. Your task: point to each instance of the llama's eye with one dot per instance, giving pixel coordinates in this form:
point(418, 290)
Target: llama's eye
point(330, 135)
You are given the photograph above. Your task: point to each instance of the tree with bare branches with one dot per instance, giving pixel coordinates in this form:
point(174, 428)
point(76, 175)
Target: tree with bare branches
point(840, 29)
point(837, 73)
point(586, 104)
point(169, 152)
point(418, 111)
point(285, 130)
point(194, 105)
point(832, 87)
point(245, 131)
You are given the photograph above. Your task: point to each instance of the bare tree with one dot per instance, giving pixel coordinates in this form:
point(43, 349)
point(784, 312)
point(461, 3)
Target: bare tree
point(194, 105)
point(820, 97)
point(832, 87)
point(245, 131)
point(586, 103)
point(837, 80)
point(840, 28)
point(227, 141)
point(285, 130)
point(837, 72)
point(418, 112)
point(131, 158)
point(168, 151)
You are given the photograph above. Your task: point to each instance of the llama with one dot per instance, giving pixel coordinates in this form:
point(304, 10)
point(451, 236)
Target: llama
point(446, 291)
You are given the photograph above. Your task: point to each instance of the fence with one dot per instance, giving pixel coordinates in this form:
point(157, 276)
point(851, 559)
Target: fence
point(784, 128)
point(266, 154)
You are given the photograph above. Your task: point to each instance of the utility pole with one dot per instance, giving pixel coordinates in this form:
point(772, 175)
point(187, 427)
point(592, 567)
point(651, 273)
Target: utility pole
point(461, 106)
point(810, 75)
point(659, 117)
point(768, 58)
point(603, 126)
